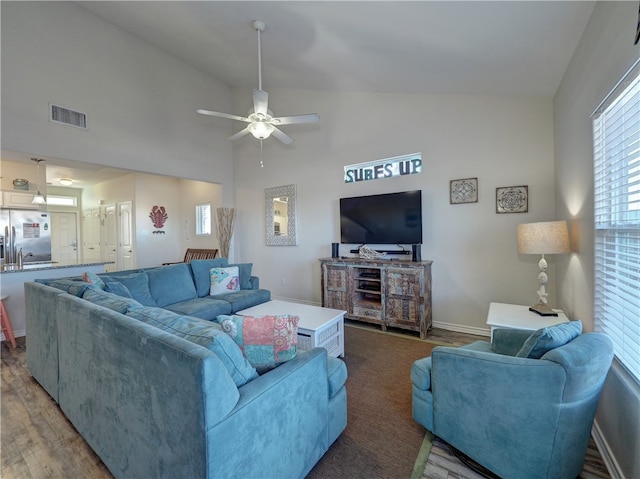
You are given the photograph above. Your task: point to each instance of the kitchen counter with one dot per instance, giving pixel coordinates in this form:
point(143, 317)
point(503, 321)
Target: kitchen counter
point(12, 285)
point(48, 265)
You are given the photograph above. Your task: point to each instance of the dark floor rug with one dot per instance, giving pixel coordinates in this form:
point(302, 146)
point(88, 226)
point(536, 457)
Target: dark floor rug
point(381, 440)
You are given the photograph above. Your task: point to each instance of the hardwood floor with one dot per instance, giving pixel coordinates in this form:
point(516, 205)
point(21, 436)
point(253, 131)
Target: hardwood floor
point(38, 441)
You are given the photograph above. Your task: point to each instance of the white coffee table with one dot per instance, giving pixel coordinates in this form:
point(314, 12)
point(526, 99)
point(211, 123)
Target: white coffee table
point(515, 316)
point(318, 327)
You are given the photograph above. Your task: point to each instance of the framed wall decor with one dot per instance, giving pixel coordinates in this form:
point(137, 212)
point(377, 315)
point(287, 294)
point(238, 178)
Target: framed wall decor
point(512, 199)
point(280, 215)
point(463, 191)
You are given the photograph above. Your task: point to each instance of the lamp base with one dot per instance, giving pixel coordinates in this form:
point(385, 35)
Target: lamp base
point(543, 309)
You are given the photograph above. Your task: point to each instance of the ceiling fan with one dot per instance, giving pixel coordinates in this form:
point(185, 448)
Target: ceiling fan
point(262, 123)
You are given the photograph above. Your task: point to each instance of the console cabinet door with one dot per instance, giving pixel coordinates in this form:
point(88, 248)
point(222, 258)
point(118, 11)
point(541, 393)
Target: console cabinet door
point(404, 297)
point(335, 282)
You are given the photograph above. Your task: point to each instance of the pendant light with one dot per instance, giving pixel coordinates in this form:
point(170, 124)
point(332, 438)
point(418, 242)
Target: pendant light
point(39, 198)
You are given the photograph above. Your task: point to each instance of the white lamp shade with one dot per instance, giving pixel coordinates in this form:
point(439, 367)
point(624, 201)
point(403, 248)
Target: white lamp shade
point(38, 199)
point(260, 129)
point(547, 237)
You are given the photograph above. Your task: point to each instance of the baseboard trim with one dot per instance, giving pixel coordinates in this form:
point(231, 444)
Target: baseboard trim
point(17, 333)
point(458, 328)
point(295, 300)
point(446, 326)
point(608, 458)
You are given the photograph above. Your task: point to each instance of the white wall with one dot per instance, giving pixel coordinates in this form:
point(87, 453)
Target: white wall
point(177, 196)
point(605, 53)
point(141, 102)
point(196, 193)
point(502, 141)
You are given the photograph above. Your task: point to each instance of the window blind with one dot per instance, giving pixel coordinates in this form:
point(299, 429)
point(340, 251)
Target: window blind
point(203, 219)
point(616, 138)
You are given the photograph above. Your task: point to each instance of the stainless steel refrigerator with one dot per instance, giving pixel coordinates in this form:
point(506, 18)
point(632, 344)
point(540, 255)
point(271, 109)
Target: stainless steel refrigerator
point(26, 229)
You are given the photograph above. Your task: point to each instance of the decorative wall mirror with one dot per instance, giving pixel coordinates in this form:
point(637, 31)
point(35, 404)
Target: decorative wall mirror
point(280, 215)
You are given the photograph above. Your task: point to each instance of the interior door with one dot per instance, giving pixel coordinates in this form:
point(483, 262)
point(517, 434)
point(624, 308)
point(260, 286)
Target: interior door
point(110, 252)
point(64, 238)
point(126, 251)
point(91, 236)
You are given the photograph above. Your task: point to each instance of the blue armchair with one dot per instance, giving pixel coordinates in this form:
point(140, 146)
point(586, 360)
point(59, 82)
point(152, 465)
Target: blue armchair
point(519, 406)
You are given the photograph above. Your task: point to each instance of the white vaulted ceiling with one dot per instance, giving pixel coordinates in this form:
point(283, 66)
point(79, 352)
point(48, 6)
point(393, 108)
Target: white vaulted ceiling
point(493, 48)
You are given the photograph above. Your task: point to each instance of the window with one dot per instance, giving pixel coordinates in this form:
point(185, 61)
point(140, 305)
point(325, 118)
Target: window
point(616, 139)
point(203, 219)
point(62, 200)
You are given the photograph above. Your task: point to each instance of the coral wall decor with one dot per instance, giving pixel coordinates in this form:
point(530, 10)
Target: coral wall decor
point(158, 216)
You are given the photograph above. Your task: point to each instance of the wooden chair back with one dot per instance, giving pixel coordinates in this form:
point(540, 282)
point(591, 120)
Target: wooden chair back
point(195, 253)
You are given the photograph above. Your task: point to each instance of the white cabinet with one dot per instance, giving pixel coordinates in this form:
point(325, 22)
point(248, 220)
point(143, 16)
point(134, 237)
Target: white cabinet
point(18, 199)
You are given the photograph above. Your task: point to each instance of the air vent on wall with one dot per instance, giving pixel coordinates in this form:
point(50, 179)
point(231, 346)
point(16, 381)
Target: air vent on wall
point(65, 116)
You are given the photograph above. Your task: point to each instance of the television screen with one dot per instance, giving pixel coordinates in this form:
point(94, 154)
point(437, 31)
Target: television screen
point(393, 218)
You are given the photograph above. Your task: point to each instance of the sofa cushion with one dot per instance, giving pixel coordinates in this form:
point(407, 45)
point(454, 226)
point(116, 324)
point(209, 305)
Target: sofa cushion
point(200, 269)
point(93, 278)
point(110, 300)
point(546, 339)
point(224, 280)
point(207, 308)
point(76, 288)
point(118, 288)
point(243, 299)
point(266, 341)
point(171, 284)
point(245, 274)
point(204, 333)
point(137, 284)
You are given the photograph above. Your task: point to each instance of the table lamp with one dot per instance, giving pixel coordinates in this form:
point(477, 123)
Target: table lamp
point(547, 237)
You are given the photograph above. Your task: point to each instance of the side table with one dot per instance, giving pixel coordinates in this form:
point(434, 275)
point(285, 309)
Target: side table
point(515, 316)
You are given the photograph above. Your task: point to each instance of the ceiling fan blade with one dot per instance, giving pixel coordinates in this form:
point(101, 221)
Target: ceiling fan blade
point(260, 102)
point(282, 136)
point(240, 134)
point(291, 120)
point(224, 115)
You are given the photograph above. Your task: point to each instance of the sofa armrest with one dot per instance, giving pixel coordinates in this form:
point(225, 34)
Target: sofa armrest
point(508, 341)
point(255, 282)
point(421, 374)
point(279, 416)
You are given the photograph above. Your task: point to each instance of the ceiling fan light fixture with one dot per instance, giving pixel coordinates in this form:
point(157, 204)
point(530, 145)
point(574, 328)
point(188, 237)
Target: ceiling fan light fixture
point(260, 129)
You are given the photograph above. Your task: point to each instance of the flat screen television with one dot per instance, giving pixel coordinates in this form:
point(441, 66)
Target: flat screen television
point(392, 218)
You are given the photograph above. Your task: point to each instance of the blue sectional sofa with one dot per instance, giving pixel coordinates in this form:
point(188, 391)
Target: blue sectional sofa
point(158, 393)
point(184, 288)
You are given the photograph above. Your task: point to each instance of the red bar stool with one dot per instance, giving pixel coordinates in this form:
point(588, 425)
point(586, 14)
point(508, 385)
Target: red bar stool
point(6, 323)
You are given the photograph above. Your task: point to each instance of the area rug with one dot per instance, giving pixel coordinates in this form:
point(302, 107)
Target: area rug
point(381, 440)
point(437, 460)
point(441, 462)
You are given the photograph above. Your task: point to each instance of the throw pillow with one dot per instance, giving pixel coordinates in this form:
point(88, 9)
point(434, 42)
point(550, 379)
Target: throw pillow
point(200, 269)
point(546, 339)
point(137, 284)
point(224, 280)
point(245, 274)
point(118, 288)
point(76, 288)
point(110, 300)
point(93, 278)
point(265, 341)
